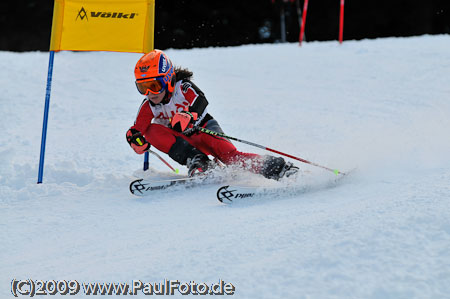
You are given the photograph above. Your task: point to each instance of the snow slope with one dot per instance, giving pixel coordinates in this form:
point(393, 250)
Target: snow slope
point(381, 105)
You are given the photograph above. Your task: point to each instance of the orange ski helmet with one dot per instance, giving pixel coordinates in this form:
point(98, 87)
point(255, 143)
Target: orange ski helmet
point(154, 72)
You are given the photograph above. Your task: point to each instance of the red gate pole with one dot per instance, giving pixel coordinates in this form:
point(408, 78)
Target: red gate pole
point(341, 23)
point(302, 28)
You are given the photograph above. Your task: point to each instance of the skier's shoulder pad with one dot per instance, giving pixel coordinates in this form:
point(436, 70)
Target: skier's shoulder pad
point(187, 84)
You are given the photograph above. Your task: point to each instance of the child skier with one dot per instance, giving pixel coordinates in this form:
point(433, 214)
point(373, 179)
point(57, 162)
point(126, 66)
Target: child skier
point(167, 117)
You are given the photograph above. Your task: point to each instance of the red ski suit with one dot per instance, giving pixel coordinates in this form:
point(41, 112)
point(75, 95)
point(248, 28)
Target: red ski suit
point(153, 122)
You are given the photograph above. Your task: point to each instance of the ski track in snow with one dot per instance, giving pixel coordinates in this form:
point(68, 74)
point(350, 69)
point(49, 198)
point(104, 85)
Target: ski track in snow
point(381, 106)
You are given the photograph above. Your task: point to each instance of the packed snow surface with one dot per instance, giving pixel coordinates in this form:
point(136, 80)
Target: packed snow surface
point(381, 106)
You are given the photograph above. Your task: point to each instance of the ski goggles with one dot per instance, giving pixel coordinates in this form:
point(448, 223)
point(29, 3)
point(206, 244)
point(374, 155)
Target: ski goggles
point(150, 85)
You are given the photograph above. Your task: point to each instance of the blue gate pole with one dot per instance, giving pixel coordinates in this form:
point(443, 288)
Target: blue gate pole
point(146, 161)
point(44, 126)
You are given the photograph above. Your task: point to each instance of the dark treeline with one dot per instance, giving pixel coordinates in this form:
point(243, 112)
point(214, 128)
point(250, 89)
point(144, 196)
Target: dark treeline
point(26, 24)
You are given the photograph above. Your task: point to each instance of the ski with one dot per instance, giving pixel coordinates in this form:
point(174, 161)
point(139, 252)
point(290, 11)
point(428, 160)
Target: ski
point(143, 187)
point(235, 193)
point(229, 193)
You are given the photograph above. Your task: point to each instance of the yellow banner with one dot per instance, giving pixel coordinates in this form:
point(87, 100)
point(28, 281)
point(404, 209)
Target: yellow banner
point(103, 25)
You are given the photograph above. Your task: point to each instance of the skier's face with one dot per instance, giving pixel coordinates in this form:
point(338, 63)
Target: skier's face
point(156, 98)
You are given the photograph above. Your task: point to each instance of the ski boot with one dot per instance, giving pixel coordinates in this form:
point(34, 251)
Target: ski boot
point(198, 164)
point(276, 168)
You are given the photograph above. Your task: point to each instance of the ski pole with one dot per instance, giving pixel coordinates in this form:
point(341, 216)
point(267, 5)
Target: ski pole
point(213, 133)
point(176, 170)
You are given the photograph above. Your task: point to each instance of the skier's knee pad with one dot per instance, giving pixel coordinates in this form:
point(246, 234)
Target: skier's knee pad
point(181, 150)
